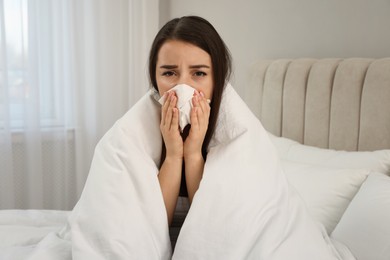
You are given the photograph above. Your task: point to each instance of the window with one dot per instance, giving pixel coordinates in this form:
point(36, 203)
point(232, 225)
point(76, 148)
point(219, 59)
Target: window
point(28, 91)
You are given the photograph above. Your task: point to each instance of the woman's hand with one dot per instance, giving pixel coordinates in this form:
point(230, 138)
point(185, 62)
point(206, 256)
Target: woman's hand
point(200, 114)
point(169, 127)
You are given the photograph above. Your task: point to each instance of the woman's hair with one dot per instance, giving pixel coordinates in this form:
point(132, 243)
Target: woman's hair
point(199, 32)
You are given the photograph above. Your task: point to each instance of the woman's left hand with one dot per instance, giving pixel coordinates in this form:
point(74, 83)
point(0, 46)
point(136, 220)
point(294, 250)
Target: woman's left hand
point(200, 114)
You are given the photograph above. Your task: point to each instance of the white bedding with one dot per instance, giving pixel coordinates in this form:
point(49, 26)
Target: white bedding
point(27, 227)
point(21, 230)
point(244, 208)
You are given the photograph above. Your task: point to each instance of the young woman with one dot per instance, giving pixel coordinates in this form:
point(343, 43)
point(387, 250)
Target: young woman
point(187, 50)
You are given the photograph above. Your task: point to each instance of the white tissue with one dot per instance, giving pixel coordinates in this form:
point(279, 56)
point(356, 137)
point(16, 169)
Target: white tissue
point(184, 94)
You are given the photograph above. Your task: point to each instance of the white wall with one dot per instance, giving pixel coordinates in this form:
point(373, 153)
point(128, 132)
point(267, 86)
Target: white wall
point(255, 29)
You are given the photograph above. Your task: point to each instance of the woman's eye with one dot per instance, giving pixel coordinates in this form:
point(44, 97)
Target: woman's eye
point(200, 74)
point(168, 73)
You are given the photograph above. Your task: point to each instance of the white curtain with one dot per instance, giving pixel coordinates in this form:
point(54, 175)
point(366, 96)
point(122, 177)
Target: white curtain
point(68, 70)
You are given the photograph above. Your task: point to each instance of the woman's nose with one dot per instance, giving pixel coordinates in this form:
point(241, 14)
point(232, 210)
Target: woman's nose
point(184, 79)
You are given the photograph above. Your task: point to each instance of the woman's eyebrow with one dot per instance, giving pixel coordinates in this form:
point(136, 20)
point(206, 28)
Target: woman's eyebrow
point(200, 66)
point(169, 67)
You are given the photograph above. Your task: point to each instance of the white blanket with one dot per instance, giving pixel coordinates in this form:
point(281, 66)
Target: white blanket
point(244, 208)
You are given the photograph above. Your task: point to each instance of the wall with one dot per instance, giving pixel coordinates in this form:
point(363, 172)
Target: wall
point(257, 29)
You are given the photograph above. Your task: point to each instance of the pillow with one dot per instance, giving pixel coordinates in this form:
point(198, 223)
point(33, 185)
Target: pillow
point(335, 162)
point(365, 225)
point(376, 161)
point(326, 192)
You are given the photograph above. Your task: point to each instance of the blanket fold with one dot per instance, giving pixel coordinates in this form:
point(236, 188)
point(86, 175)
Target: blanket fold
point(121, 213)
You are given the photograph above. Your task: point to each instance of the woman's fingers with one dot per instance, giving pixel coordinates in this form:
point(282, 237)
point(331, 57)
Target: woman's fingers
point(194, 118)
point(169, 126)
point(199, 114)
point(175, 119)
point(201, 110)
point(164, 108)
point(170, 114)
point(204, 104)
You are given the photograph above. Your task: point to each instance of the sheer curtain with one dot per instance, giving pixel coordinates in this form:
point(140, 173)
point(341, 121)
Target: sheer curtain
point(68, 70)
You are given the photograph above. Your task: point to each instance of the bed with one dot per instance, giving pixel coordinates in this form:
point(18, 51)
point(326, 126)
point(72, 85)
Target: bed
point(329, 120)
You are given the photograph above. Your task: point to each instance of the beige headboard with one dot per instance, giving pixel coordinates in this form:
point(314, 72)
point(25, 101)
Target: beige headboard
point(343, 104)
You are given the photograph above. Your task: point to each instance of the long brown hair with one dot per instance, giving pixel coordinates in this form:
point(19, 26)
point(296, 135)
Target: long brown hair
point(199, 32)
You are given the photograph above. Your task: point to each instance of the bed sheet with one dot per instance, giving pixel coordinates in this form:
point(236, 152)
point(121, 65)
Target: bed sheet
point(28, 227)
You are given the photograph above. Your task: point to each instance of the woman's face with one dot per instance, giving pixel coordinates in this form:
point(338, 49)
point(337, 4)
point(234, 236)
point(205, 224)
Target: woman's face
point(180, 62)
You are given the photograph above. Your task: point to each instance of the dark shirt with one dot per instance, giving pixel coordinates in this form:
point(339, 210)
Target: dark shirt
point(183, 185)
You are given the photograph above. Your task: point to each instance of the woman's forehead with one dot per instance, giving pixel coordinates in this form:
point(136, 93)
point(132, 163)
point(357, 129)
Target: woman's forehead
point(175, 52)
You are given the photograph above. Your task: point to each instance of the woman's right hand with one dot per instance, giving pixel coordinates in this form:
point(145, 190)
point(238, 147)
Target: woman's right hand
point(169, 127)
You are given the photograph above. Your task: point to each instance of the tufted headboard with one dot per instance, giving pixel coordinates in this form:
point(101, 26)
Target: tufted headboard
point(342, 104)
